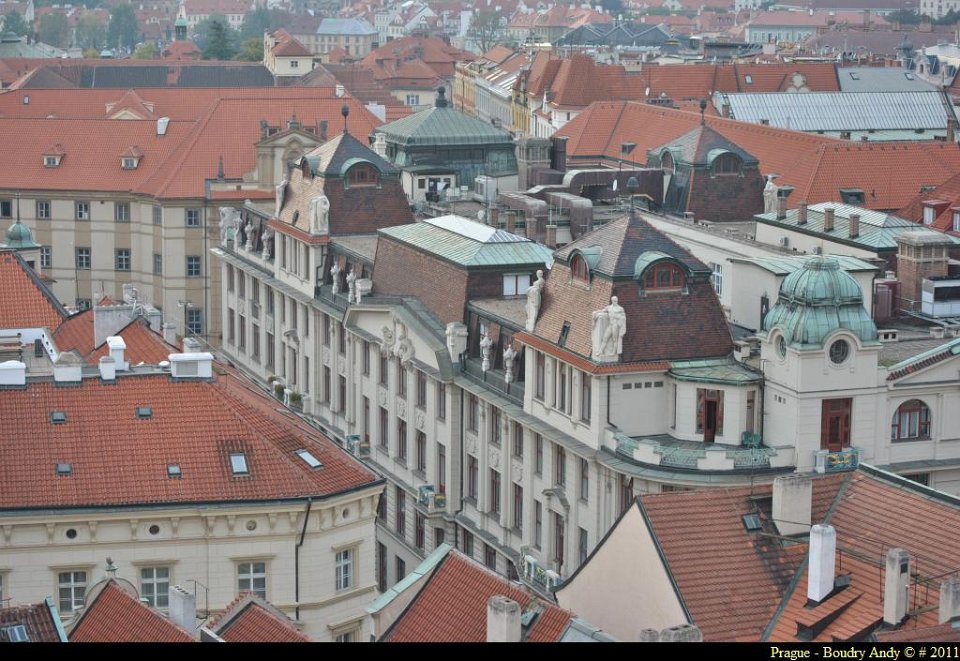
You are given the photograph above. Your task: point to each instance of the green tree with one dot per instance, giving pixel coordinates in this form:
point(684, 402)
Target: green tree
point(203, 30)
point(123, 30)
point(949, 18)
point(53, 30)
point(904, 17)
point(14, 23)
point(485, 28)
point(91, 54)
point(219, 46)
point(251, 50)
point(255, 23)
point(145, 51)
point(90, 32)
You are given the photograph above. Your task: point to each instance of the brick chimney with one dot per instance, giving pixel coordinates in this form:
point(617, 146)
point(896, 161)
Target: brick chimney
point(896, 583)
point(920, 256)
point(781, 208)
point(792, 503)
point(493, 217)
point(949, 599)
point(822, 562)
point(802, 213)
point(551, 236)
point(511, 218)
point(951, 130)
point(503, 620)
point(828, 219)
point(854, 225)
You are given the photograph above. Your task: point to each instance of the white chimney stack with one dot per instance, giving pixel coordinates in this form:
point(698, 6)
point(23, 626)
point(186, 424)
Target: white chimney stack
point(503, 620)
point(191, 365)
point(792, 503)
point(183, 609)
point(68, 368)
point(117, 347)
point(896, 583)
point(822, 562)
point(192, 345)
point(13, 373)
point(170, 333)
point(108, 368)
point(949, 600)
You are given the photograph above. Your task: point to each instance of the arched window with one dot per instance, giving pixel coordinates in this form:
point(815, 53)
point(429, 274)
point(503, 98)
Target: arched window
point(726, 164)
point(362, 175)
point(579, 268)
point(911, 421)
point(666, 163)
point(663, 276)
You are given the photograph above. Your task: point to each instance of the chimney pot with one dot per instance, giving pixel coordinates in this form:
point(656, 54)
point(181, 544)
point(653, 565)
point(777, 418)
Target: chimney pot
point(108, 368)
point(802, 213)
point(828, 219)
point(896, 583)
point(792, 504)
point(854, 225)
point(503, 620)
point(822, 562)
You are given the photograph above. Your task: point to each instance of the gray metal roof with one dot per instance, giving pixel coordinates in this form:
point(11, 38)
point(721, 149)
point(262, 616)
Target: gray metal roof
point(469, 243)
point(346, 26)
point(839, 111)
point(881, 79)
point(443, 126)
point(786, 264)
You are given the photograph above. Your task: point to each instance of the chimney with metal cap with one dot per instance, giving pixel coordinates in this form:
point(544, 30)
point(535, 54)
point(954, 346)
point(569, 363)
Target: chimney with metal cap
point(828, 219)
point(822, 562)
point(802, 213)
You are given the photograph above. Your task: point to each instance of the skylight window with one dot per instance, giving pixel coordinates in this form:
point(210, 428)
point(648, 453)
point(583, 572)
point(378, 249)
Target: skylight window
point(854, 75)
point(748, 79)
point(308, 457)
point(16, 633)
point(58, 417)
point(173, 470)
point(238, 463)
point(64, 469)
point(751, 522)
point(144, 412)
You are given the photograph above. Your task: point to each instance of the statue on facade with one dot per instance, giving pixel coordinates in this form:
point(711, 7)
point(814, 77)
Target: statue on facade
point(609, 327)
point(335, 275)
point(281, 189)
point(319, 214)
point(248, 234)
point(534, 298)
point(403, 349)
point(770, 192)
point(486, 344)
point(509, 355)
point(267, 245)
point(389, 339)
point(229, 222)
point(351, 285)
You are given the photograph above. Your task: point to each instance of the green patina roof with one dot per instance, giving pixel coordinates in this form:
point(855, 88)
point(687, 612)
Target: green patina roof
point(20, 238)
point(646, 259)
point(429, 564)
point(817, 300)
point(443, 126)
point(468, 243)
point(786, 264)
point(724, 370)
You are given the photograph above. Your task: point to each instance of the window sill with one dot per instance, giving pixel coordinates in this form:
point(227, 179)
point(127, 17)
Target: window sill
point(912, 439)
point(422, 474)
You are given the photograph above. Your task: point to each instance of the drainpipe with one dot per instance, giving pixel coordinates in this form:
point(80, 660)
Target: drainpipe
point(456, 528)
point(296, 558)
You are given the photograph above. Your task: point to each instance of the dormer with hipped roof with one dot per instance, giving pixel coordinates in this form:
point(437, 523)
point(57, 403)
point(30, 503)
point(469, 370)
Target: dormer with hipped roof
point(53, 155)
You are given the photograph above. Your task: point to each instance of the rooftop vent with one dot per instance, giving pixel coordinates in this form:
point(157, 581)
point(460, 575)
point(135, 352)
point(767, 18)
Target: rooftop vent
point(144, 412)
point(238, 463)
point(64, 469)
point(58, 417)
point(173, 470)
point(308, 457)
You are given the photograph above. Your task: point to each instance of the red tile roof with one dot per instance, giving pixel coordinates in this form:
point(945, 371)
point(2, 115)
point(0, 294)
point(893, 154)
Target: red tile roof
point(452, 606)
point(249, 619)
point(180, 51)
point(37, 619)
point(113, 615)
point(948, 191)
point(76, 333)
point(817, 167)
point(939, 633)
point(24, 301)
point(287, 46)
point(196, 424)
point(143, 345)
point(440, 56)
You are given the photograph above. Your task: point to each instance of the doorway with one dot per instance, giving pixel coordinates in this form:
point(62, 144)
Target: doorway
point(835, 424)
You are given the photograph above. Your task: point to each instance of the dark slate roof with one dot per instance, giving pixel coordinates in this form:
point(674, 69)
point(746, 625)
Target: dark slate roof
point(443, 126)
point(701, 145)
point(613, 34)
point(330, 158)
point(225, 76)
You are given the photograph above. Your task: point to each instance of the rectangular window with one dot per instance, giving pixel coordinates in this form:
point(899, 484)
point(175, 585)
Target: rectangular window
point(155, 585)
point(191, 217)
point(517, 440)
point(490, 557)
point(401, 568)
point(326, 385)
point(401, 518)
point(327, 330)
point(421, 389)
point(43, 209)
point(382, 508)
point(401, 380)
point(342, 394)
point(473, 475)
point(496, 427)
point(585, 396)
point(72, 588)
point(559, 465)
point(538, 452)
point(193, 266)
point(230, 277)
point(46, 257)
point(231, 326)
point(82, 211)
point(929, 215)
point(402, 440)
point(441, 401)
point(421, 450)
point(441, 468)
point(537, 524)
point(366, 420)
point(582, 546)
point(540, 376)
point(252, 577)
point(384, 370)
point(413, 99)
point(383, 440)
point(515, 284)
point(6, 209)
point(494, 492)
point(255, 342)
point(584, 479)
point(194, 321)
point(121, 212)
point(241, 284)
point(365, 350)
point(473, 412)
point(718, 278)
point(558, 538)
point(561, 387)
point(518, 507)
point(83, 258)
point(122, 259)
point(344, 569)
point(269, 300)
point(419, 530)
point(270, 350)
point(157, 215)
point(467, 543)
point(438, 537)
point(157, 263)
point(956, 221)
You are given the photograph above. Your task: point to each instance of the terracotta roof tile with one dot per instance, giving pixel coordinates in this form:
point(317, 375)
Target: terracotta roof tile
point(37, 619)
point(940, 633)
point(24, 301)
point(143, 345)
point(196, 424)
point(76, 333)
point(249, 619)
point(452, 606)
point(438, 55)
point(115, 616)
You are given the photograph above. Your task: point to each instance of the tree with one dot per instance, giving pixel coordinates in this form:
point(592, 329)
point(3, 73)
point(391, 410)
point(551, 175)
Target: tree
point(485, 28)
point(124, 30)
point(90, 32)
point(949, 18)
point(53, 30)
point(202, 31)
point(612, 7)
point(904, 17)
point(91, 54)
point(255, 23)
point(251, 50)
point(219, 46)
point(145, 51)
point(14, 23)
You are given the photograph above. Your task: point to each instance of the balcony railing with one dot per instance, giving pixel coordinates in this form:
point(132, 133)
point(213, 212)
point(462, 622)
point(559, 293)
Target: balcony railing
point(494, 378)
point(847, 459)
point(694, 455)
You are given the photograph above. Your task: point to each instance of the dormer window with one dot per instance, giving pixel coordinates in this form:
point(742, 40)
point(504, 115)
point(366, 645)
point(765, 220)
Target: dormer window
point(663, 276)
point(929, 214)
point(53, 156)
point(51, 161)
point(129, 163)
point(956, 221)
point(726, 164)
point(363, 174)
point(579, 268)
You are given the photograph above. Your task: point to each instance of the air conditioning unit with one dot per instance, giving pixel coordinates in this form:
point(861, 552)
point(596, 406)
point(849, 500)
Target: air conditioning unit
point(553, 579)
point(784, 241)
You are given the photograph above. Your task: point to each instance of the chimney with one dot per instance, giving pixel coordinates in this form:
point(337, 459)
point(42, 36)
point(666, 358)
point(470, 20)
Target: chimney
point(503, 620)
point(13, 373)
point(896, 583)
point(854, 225)
point(951, 130)
point(67, 368)
point(949, 600)
point(823, 551)
point(682, 633)
point(551, 236)
point(781, 208)
point(792, 502)
point(511, 220)
point(323, 130)
point(191, 345)
point(170, 333)
point(725, 109)
point(182, 609)
point(828, 220)
point(802, 213)
point(108, 368)
point(493, 217)
point(530, 228)
point(117, 347)
point(648, 636)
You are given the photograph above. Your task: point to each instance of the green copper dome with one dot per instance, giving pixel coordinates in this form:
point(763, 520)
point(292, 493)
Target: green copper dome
point(20, 238)
point(817, 300)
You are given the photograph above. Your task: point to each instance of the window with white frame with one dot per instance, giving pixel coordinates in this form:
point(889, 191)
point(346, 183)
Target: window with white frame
point(121, 212)
point(344, 569)
point(718, 278)
point(252, 577)
point(155, 585)
point(72, 586)
point(956, 221)
point(515, 284)
point(46, 257)
point(192, 217)
point(82, 210)
point(43, 209)
point(929, 215)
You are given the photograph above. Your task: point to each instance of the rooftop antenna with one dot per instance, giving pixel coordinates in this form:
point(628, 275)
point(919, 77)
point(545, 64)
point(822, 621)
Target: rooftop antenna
point(345, 111)
point(220, 169)
point(703, 108)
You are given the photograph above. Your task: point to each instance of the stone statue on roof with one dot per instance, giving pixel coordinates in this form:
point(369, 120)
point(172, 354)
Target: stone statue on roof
point(229, 223)
point(280, 191)
point(248, 234)
point(320, 215)
point(770, 192)
point(509, 355)
point(267, 244)
point(335, 276)
point(609, 327)
point(403, 349)
point(534, 298)
point(486, 344)
point(351, 285)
